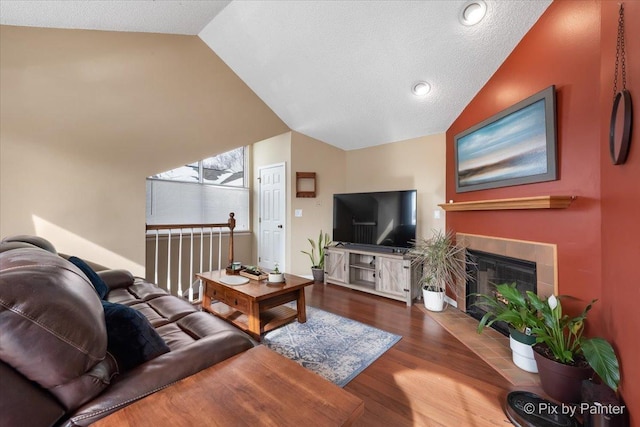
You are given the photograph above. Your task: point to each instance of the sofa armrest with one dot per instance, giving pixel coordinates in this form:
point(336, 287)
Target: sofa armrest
point(22, 402)
point(116, 278)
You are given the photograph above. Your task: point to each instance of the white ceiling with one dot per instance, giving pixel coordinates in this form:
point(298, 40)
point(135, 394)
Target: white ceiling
point(338, 71)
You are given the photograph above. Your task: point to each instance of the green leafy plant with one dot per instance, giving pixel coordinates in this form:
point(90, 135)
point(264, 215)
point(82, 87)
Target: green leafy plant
point(316, 255)
point(507, 305)
point(252, 269)
point(562, 335)
point(443, 261)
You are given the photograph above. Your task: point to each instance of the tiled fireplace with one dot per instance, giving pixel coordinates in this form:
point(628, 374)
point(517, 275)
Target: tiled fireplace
point(491, 345)
point(544, 255)
point(489, 270)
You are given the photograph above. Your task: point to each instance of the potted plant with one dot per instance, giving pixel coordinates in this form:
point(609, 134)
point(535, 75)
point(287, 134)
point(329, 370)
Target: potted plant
point(443, 263)
point(511, 306)
point(317, 256)
point(564, 356)
point(276, 276)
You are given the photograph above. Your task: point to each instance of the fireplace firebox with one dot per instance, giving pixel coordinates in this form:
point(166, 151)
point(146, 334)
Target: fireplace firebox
point(488, 270)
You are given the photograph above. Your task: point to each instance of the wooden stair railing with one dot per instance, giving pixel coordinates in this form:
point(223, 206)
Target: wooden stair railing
point(169, 228)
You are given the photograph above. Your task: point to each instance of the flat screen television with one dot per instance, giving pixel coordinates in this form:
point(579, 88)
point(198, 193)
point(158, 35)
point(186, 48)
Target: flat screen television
point(386, 218)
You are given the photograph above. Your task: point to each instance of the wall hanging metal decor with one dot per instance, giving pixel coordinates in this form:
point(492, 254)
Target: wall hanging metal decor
point(621, 115)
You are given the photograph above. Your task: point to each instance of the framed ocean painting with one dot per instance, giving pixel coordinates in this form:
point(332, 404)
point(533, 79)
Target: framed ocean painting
point(516, 146)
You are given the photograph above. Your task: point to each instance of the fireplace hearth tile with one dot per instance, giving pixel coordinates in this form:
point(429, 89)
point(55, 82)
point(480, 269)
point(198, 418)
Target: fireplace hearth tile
point(498, 352)
point(490, 346)
point(545, 254)
point(493, 343)
point(521, 250)
point(523, 378)
point(500, 363)
point(545, 273)
point(544, 289)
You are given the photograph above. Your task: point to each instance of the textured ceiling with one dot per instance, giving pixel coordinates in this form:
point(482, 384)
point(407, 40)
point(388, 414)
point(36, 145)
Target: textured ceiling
point(338, 71)
point(147, 16)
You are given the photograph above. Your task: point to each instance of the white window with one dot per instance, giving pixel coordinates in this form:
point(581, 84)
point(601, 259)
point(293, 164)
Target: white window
point(203, 192)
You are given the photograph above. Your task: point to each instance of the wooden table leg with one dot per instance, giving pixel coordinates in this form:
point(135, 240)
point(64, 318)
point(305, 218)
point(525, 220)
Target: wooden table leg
point(302, 308)
point(206, 299)
point(254, 319)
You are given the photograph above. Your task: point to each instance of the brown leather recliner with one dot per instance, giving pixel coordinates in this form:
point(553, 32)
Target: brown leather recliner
point(54, 365)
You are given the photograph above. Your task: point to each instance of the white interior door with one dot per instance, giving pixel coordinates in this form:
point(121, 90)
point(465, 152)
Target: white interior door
point(272, 217)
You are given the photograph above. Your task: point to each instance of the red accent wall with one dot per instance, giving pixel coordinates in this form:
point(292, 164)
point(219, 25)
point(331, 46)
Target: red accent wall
point(563, 48)
point(620, 205)
point(598, 235)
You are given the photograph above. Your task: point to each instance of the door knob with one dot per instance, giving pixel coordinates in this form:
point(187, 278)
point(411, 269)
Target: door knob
point(279, 225)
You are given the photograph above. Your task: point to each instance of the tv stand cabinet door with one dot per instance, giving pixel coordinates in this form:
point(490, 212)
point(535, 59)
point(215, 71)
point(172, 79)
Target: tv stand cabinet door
point(335, 266)
point(394, 277)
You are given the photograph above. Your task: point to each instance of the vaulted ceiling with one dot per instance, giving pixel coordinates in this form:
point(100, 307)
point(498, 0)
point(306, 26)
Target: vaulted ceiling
point(338, 71)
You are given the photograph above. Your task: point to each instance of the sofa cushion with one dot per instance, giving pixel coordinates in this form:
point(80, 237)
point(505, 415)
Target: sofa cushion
point(36, 241)
point(101, 288)
point(116, 279)
point(52, 324)
point(136, 292)
point(131, 338)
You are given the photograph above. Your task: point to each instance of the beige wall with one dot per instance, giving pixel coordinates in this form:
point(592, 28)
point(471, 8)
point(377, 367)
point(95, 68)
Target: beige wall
point(85, 116)
point(417, 163)
point(300, 153)
point(413, 164)
point(329, 164)
point(265, 153)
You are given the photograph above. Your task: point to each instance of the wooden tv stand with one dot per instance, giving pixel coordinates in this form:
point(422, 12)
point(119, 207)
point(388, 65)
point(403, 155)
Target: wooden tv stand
point(388, 274)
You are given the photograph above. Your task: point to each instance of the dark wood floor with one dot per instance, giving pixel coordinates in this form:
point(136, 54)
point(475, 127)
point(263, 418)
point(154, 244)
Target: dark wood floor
point(428, 378)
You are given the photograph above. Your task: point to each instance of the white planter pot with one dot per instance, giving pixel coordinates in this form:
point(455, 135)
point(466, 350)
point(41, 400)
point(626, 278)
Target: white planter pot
point(433, 301)
point(276, 277)
point(522, 355)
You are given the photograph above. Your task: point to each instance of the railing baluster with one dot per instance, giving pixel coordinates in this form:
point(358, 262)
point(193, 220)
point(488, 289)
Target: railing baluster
point(180, 265)
point(220, 250)
point(191, 269)
point(210, 248)
point(181, 227)
point(201, 247)
point(155, 265)
point(200, 265)
point(169, 263)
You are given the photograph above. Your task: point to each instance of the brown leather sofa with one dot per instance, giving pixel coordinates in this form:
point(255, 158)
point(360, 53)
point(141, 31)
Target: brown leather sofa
point(55, 369)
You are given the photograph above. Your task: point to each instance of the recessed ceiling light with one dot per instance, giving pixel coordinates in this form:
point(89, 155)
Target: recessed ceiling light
point(421, 88)
point(472, 12)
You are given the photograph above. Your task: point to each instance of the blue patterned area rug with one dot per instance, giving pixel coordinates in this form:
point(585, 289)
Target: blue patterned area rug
point(332, 346)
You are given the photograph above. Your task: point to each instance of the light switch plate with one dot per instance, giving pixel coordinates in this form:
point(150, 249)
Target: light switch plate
point(298, 213)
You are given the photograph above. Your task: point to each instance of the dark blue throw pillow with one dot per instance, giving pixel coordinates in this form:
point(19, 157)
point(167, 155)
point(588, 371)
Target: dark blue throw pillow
point(131, 338)
point(101, 288)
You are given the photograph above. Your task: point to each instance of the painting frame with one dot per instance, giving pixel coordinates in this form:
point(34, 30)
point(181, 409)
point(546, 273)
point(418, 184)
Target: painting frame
point(513, 147)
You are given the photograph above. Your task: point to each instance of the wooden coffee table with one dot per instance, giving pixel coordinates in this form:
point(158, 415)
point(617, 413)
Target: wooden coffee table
point(256, 307)
point(256, 388)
